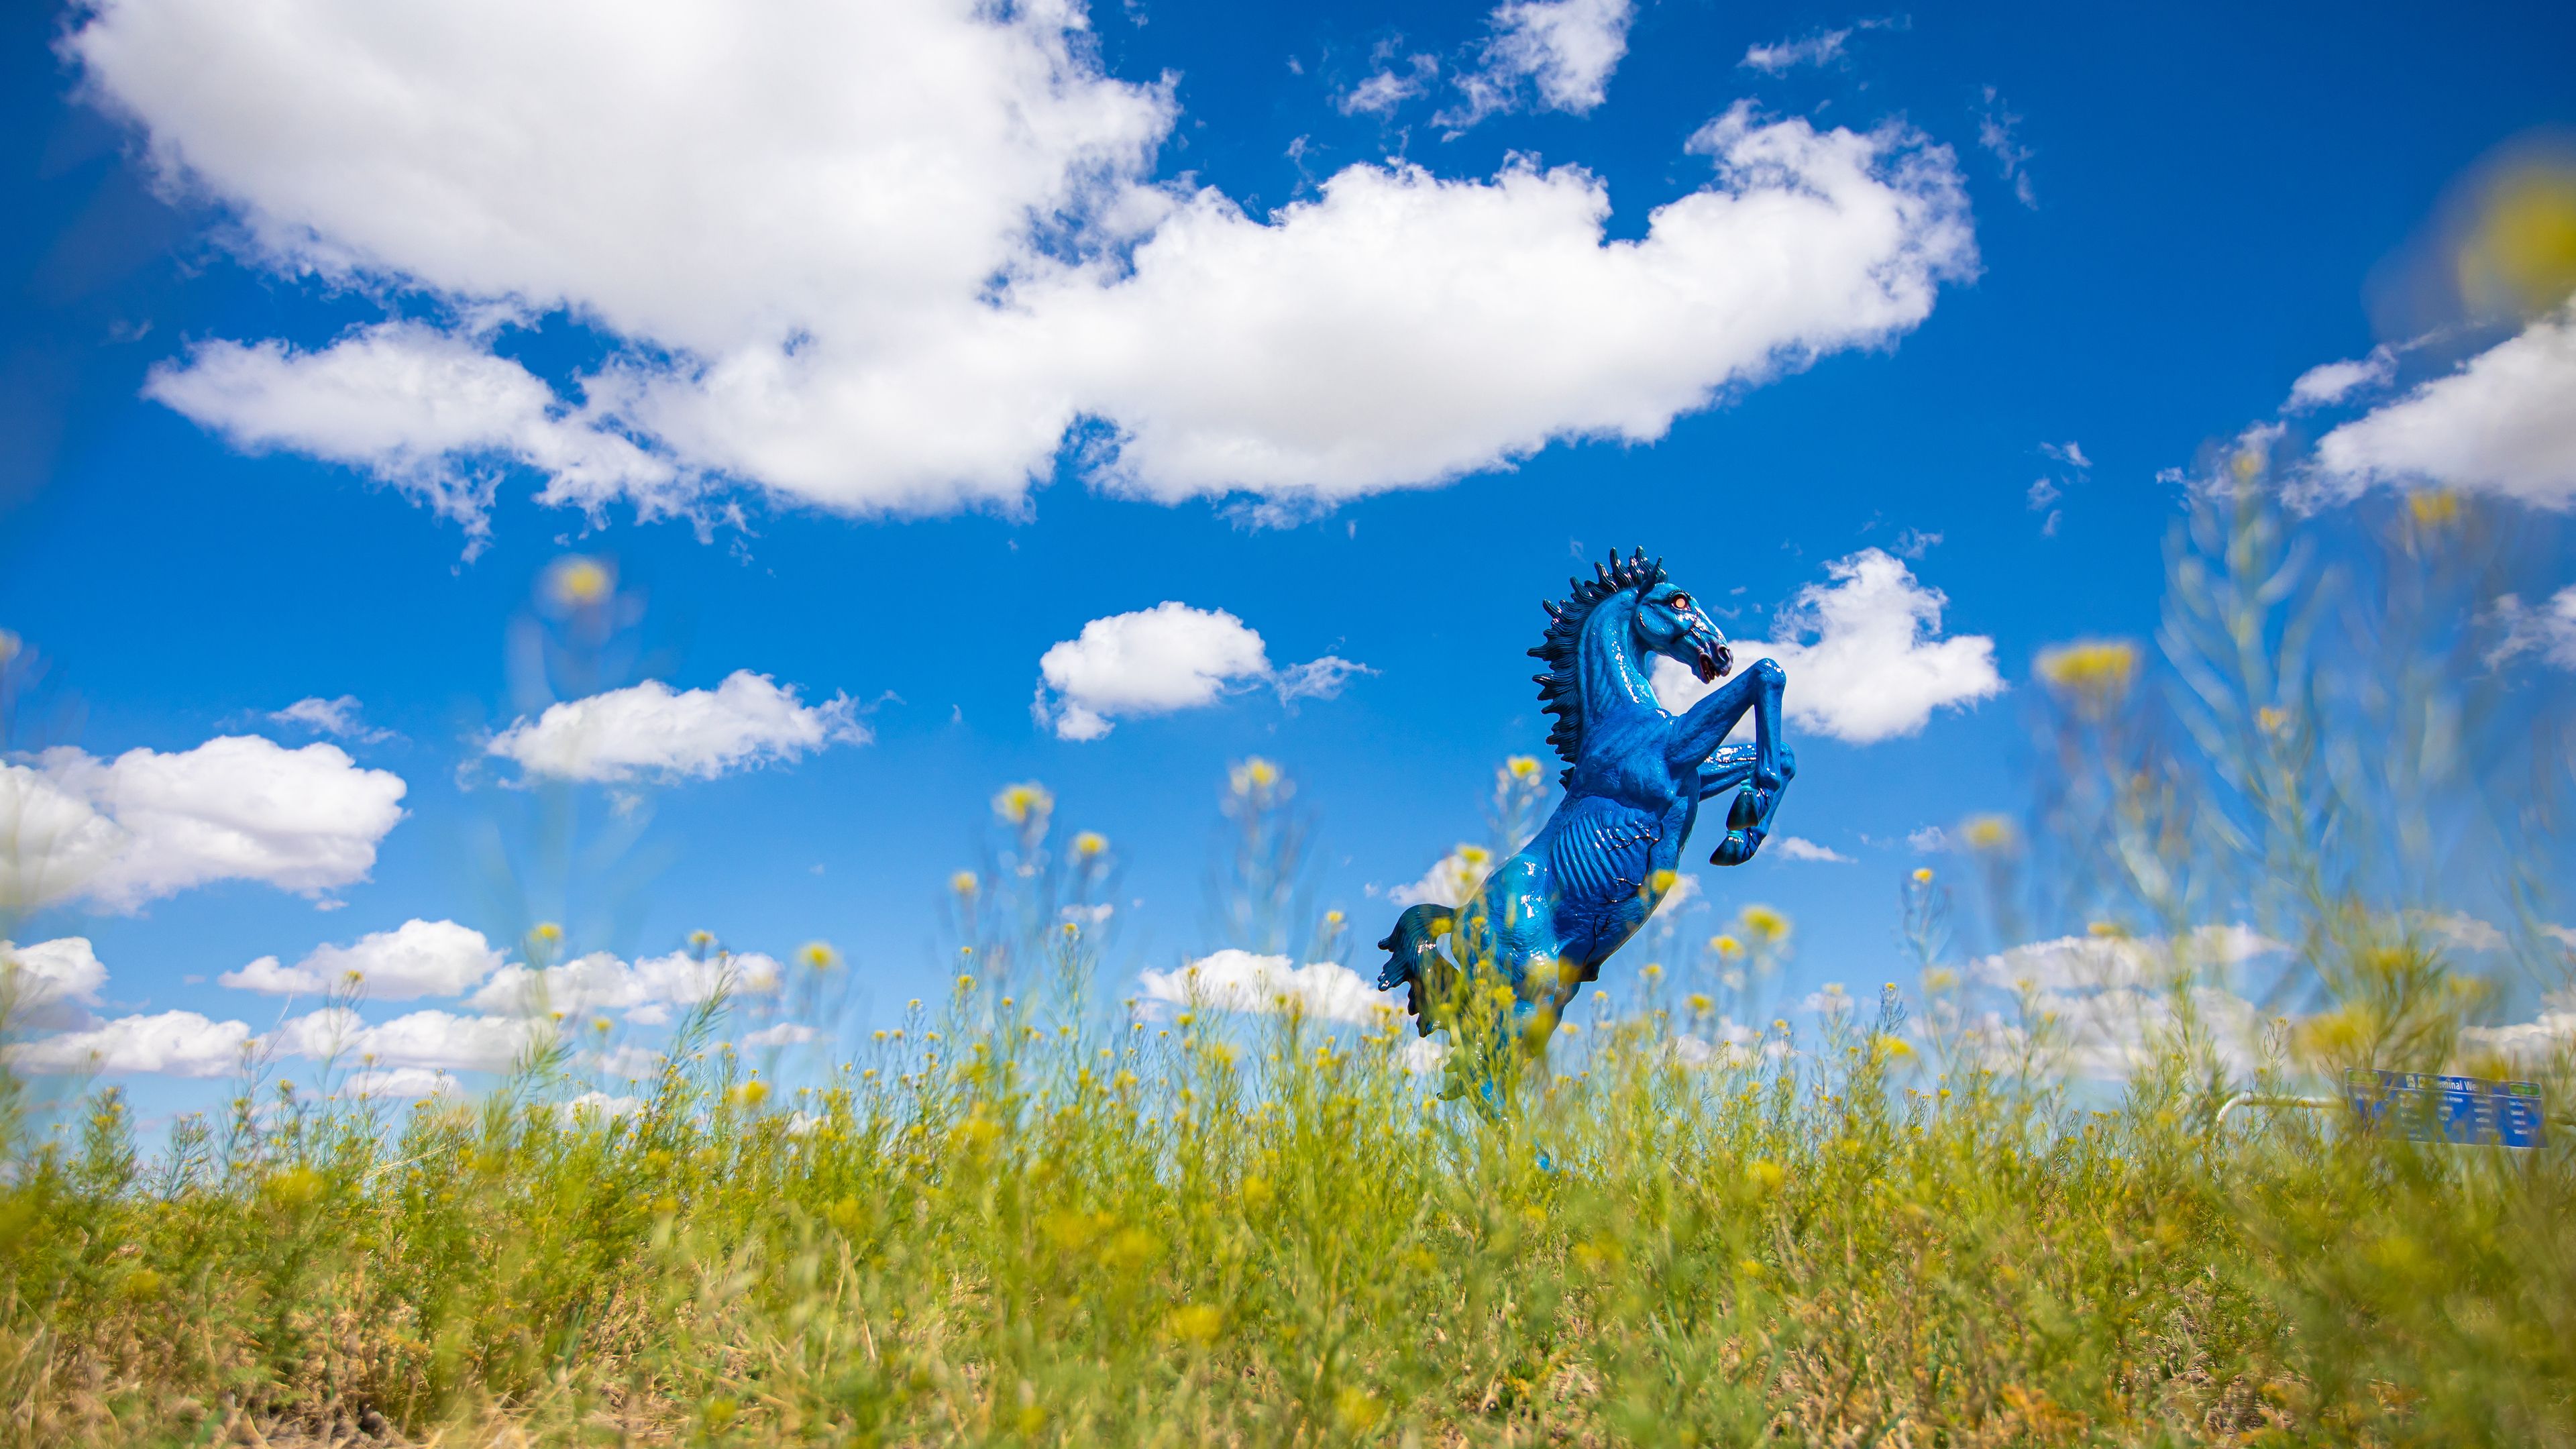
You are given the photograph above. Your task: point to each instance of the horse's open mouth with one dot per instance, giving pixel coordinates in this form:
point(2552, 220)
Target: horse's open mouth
point(1712, 667)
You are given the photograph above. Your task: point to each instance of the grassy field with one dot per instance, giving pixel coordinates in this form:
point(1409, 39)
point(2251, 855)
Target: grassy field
point(1049, 1235)
point(1030, 1217)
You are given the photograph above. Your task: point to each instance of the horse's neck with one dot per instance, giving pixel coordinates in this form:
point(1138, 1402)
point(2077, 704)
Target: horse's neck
point(1606, 662)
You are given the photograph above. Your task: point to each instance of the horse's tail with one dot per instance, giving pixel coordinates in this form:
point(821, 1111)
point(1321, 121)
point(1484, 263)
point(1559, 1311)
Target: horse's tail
point(1414, 961)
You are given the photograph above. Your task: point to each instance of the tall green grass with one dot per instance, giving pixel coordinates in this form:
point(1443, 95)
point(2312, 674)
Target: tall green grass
point(1030, 1215)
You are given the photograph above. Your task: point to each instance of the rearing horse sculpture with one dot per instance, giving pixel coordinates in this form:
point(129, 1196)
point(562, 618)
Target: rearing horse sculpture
point(1543, 922)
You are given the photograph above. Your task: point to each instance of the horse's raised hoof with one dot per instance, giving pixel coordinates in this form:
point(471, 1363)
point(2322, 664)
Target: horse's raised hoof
point(1744, 828)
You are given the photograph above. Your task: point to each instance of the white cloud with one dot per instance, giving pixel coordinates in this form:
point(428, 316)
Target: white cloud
point(1995, 132)
point(1876, 666)
point(2459, 930)
point(601, 982)
point(629, 1062)
point(2549, 631)
point(2105, 999)
point(2085, 963)
point(50, 983)
point(418, 958)
point(2534, 1040)
point(2329, 383)
point(417, 408)
point(650, 729)
point(889, 258)
point(1566, 48)
point(603, 1105)
point(121, 832)
point(1930, 840)
point(432, 1040)
point(1450, 881)
point(785, 1033)
point(1232, 980)
point(1780, 57)
point(1794, 847)
point(331, 717)
point(403, 1082)
point(1833, 1000)
point(2501, 424)
point(1423, 1055)
point(1169, 657)
point(1384, 90)
point(174, 1043)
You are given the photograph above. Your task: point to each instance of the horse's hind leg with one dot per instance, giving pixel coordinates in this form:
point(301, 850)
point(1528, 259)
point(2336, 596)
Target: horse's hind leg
point(1414, 961)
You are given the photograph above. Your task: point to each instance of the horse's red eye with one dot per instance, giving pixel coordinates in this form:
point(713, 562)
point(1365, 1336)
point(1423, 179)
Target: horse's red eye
point(1681, 601)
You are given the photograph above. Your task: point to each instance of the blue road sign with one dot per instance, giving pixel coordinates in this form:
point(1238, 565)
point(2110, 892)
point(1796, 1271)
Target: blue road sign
point(2430, 1108)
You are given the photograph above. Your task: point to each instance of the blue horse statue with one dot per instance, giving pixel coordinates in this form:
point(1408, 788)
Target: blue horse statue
point(1542, 923)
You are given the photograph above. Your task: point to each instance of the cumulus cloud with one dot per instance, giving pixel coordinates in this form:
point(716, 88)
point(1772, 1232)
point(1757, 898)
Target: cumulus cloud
point(118, 833)
point(402, 1082)
point(2535, 1040)
point(2329, 383)
point(889, 259)
point(1564, 50)
point(1864, 654)
point(338, 717)
point(1232, 980)
point(603, 1105)
point(1795, 847)
point(50, 983)
point(415, 407)
point(418, 958)
point(1450, 881)
point(429, 1040)
point(1781, 57)
point(644, 989)
point(1386, 88)
point(2501, 425)
point(2549, 631)
point(1169, 657)
point(650, 729)
point(2080, 963)
point(174, 1043)
point(2110, 998)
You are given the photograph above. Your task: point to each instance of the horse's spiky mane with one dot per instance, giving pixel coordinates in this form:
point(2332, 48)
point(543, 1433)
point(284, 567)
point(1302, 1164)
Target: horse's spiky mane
point(1558, 687)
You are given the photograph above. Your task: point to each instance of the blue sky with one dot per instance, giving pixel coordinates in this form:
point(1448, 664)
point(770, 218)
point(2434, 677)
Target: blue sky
point(881, 350)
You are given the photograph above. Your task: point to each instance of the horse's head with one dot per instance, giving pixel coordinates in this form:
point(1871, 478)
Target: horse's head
point(1671, 623)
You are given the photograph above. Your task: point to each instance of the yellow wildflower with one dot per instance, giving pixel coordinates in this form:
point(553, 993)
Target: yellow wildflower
point(2521, 256)
point(1019, 804)
point(2093, 673)
point(577, 582)
point(1197, 1323)
point(1763, 923)
point(1987, 832)
point(1254, 775)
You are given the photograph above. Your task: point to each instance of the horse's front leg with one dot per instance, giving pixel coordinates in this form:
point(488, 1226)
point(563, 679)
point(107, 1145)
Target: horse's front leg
point(1730, 767)
point(1701, 729)
point(1767, 765)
